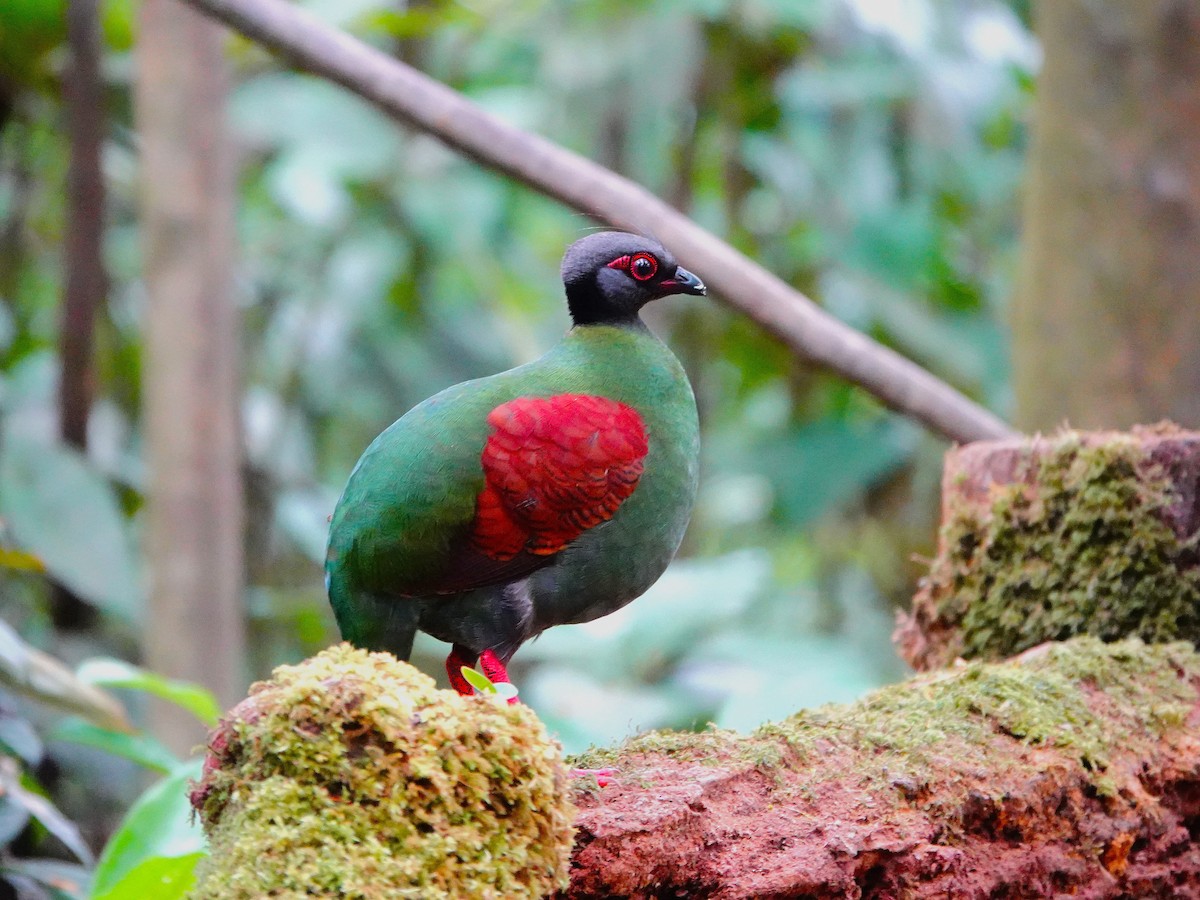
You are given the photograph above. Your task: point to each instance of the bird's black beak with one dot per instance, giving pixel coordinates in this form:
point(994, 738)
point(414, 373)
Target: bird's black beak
point(683, 282)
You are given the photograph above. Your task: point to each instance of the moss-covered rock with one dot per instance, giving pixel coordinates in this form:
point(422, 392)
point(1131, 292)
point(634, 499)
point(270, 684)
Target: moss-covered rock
point(1082, 539)
point(935, 726)
point(1071, 769)
point(351, 775)
point(1046, 698)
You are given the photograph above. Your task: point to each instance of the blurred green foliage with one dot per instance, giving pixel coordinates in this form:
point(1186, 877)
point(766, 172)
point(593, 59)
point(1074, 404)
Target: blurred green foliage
point(866, 151)
point(43, 852)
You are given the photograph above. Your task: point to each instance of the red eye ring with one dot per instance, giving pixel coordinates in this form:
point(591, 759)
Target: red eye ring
point(638, 262)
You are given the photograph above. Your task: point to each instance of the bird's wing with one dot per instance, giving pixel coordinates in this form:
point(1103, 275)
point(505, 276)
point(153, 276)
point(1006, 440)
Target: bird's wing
point(429, 510)
point(553, 468)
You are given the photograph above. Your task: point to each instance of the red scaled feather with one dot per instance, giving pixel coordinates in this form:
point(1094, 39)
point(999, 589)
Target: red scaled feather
point(555, 467)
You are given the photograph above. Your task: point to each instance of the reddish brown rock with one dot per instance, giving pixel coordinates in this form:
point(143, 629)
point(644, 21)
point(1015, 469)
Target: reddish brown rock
point(1035, 778)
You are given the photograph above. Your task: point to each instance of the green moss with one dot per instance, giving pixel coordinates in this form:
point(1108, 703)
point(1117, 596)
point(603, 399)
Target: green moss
point(1040, 701)
point(711, 746)
point(1081, 546)
point(1085, 697)
point(352, 776)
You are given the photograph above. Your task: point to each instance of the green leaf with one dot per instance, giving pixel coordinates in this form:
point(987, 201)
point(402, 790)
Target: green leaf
point(30, 28)
point(478, 680)
point(65, 512)
point(141, 748)
point(13, 820)
point(160, 877)
point(42, 809)
point(116, 673)
point(154, 852)
point(20, 561)
point(118, 23)
point(503, 690)
point(18, 738)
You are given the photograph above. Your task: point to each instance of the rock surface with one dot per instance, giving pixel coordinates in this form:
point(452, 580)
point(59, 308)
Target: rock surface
point(1074, 770)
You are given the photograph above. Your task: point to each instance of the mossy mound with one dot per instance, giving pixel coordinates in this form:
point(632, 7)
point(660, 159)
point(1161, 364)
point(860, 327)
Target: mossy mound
point(1079, 543)
point(351, 775)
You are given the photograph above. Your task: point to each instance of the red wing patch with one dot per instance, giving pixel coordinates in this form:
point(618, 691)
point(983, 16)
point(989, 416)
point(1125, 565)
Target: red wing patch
point(554, 467)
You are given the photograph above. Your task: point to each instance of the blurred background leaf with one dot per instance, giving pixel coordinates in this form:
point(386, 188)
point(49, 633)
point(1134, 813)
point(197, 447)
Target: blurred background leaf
point(65, 513)
point(116, 673)
point(155, 851)
point(13, 785)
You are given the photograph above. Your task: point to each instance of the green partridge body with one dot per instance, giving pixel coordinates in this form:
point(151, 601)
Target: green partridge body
point(552, 493)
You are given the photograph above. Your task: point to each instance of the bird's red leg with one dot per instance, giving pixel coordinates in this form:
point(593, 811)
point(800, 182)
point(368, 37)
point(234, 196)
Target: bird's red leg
point(460, 656)
point(494, 669)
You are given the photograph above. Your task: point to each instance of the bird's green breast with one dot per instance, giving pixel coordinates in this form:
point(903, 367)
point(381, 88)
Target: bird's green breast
point(412, 495)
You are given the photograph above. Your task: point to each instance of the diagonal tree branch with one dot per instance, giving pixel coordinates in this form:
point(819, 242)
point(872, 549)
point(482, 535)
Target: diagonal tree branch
point(425, 103)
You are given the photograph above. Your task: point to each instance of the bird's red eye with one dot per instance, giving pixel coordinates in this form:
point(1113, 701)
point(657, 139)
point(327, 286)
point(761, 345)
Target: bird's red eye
point(643, 266)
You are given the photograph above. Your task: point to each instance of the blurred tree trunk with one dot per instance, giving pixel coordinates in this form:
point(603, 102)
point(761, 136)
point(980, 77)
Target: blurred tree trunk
point(195, 625)
point(7, 100)
point(86, 279)
point(1107, 317)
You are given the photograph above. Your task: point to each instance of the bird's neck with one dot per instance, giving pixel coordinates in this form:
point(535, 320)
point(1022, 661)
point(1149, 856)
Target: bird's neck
point(589, 306)
point(631, 321)
point(618, 353)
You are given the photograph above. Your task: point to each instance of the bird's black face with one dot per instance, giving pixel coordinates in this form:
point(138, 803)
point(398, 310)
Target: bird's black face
point(611, 275)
